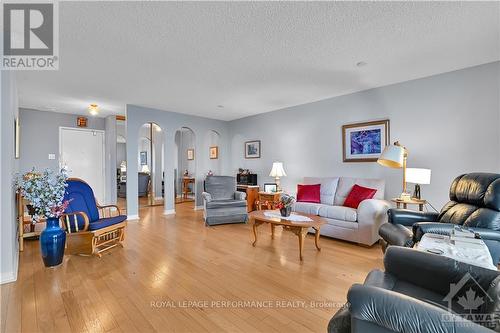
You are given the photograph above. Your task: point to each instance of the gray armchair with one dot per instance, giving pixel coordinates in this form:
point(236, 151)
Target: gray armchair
point(222, 203)
point(422, 292)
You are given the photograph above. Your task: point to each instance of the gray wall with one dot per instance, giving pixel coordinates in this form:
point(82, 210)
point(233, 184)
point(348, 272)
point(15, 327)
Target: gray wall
point(8, 167)
point(448, 122)
point(170, 122)
point(40, 136)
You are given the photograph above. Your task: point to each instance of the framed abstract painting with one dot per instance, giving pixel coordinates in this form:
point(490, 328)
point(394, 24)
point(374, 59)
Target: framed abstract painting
point(364, 142)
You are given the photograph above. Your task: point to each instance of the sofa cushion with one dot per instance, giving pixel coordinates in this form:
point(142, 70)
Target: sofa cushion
point(226, 203)
point(338, 213)
point(307, 208)
point(328, 187)
point(346, 184)
point(308, 193)
point(331, 212)
point(358, 194)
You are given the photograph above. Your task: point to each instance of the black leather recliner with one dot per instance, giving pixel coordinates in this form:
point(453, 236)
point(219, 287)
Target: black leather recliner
point(422, 292)
point(474, 203)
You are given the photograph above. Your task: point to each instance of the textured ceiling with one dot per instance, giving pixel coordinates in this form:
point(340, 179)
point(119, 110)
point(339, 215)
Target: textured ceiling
point(191, 57)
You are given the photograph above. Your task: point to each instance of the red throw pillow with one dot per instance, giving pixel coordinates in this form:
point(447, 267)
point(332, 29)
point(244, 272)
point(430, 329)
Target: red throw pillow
point(358, 194)
point(308, 193)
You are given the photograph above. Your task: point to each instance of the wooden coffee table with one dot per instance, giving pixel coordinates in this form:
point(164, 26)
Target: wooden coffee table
point(298, 228)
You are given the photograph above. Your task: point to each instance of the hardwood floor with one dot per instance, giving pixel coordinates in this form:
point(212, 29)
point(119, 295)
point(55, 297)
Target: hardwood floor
point(168, 262)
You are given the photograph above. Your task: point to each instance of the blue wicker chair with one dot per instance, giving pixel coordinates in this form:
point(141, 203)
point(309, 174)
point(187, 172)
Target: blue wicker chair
point(91, 229)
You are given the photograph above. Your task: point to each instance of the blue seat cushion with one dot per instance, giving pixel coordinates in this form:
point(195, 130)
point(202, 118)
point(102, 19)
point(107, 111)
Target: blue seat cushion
point(226, 203)
point(106, 222)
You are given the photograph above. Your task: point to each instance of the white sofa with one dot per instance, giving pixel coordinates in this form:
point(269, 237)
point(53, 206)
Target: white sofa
point(356, 225)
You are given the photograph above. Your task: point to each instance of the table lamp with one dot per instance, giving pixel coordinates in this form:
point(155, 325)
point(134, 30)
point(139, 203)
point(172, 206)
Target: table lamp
point(145, 169)
point(395, 156)
point(418, 177)
point(277, 171)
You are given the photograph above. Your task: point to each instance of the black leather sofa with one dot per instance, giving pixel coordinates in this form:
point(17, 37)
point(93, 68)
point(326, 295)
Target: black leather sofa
point(421, 292)
point(474, 203)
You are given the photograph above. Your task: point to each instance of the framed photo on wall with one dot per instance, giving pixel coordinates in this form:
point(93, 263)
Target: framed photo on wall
point(144, 157)
point(190, 154)
point(252, 149)
point(364, 142)
point(213, 152)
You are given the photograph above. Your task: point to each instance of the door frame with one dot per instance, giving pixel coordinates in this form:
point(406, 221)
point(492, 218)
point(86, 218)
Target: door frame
point(61, 128)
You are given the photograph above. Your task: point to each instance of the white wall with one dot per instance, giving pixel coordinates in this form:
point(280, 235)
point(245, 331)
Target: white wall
point(448, 122)
point(8, 167)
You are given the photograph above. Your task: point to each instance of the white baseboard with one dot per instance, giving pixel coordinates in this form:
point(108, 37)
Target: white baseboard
point(9, 277)
point(198, 208)
point(169, 212)
point(132, 217)
point(158, 198)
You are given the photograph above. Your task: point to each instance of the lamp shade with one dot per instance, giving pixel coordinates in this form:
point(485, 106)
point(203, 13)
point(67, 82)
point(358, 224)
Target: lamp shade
point(277, 170)
point(145, 168)
point(392, 156)
point(418, 176)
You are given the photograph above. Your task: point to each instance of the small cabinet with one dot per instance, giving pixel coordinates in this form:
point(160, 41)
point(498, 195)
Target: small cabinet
point(252, 192)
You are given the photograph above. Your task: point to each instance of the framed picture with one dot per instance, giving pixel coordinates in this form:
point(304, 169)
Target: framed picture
point(16, 138)
point(364, 142)
point(190, 154)
point(270, 187)
point(213, 152)
point(81, 122)
point(252, 149)
point(144, 157)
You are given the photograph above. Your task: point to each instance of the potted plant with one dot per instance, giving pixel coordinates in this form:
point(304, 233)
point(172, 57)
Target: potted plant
point(45, 193)
point(284, 204)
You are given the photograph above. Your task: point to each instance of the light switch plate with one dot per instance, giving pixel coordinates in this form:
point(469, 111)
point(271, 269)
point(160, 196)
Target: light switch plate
point(52, 156)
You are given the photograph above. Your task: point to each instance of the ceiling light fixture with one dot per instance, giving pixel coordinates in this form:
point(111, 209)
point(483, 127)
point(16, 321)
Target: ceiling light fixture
point(361, 64)
point(93, 109)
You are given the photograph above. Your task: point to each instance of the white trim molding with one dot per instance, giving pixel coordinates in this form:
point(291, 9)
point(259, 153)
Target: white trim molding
point(132, 217)
point(8, 277)
point(169, 212)
point(198, 207)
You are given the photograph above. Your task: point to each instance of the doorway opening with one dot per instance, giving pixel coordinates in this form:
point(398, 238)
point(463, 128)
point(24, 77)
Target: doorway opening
point(121, 163)
point(151, 188)
point(185, 167)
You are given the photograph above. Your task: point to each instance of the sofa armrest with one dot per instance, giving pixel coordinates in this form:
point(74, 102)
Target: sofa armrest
point(432, 271)
point(396, 312)
point(409, 217)
point(240, 195)
point(206, 196)
point(419, 229)
point(372, 213)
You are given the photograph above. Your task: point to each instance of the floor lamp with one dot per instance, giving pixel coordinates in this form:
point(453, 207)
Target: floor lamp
point(395, 156)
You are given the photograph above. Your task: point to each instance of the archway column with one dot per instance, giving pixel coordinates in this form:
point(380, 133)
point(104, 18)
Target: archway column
point(169, 158)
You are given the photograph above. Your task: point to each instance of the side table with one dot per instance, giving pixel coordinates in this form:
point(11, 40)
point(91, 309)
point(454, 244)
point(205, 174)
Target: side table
point(420, 202)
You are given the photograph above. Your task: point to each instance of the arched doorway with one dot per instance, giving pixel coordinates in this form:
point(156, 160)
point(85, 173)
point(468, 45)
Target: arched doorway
point(185, 167)
point(151, 165)
point(212, 152)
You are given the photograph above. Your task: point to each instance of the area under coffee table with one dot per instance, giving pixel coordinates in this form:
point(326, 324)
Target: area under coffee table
point(299, 228)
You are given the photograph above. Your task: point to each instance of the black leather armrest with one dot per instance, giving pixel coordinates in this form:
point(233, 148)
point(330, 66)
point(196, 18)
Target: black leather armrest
point(432, 271)
point(421, 228)
point(409, 217)
point(400, 313)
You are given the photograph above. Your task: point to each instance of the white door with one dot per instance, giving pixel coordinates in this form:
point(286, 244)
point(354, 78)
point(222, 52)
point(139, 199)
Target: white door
point(82, 152)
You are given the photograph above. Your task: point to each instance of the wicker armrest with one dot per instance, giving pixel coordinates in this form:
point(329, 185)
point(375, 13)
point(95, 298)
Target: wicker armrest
point(66, 221)
point(109, 206)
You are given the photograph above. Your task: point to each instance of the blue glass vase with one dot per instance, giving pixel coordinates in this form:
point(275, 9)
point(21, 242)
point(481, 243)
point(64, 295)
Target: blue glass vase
point(52, 241)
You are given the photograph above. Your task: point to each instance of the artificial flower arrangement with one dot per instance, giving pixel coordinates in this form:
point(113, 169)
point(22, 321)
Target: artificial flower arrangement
point(284, 204)
point(44, 191)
